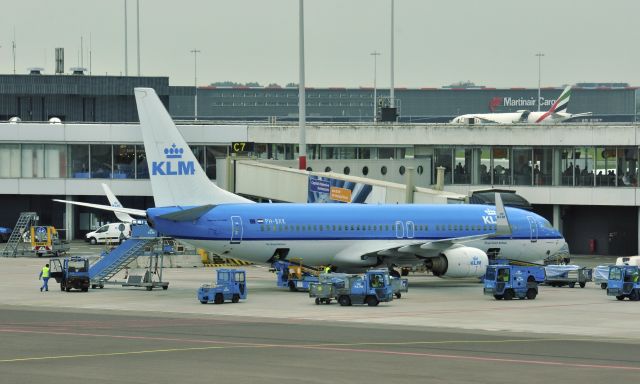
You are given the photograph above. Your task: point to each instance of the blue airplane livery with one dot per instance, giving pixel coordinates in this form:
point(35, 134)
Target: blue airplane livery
point(450, 240)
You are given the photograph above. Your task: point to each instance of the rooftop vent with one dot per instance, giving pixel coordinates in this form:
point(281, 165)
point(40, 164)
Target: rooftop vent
point(78, 71)
point(36, 70)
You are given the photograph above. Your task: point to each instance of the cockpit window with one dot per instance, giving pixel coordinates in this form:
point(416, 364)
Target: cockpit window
point(547, 224)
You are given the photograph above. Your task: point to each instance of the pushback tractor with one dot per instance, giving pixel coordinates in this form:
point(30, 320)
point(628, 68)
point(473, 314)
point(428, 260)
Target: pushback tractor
point(510, 281)
point(231, 285)
point(623, 282)
point(371, 288)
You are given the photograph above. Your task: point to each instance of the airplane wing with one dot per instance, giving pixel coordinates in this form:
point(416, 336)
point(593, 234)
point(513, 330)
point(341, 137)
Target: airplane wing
point(486, 120)
point(410, 250)
point(130, 211)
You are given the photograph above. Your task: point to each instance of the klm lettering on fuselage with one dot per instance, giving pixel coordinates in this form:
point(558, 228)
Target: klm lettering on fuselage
point(173, 166)
point(489, 217)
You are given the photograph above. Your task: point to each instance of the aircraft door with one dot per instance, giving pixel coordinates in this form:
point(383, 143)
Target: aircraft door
point(236, 229)
point(410, 229)
point(533, 225)
point(399, 230)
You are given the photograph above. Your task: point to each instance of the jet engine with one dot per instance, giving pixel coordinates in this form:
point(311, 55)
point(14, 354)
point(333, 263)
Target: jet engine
point(459, 262)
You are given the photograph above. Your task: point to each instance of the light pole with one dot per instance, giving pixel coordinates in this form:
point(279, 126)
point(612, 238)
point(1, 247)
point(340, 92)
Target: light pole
point(302, 112)
point(195, 82)
point(539, 55)
point(392, 102)
point(375, 88)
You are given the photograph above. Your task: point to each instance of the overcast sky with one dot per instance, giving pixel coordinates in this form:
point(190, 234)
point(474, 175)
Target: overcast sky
point(490, 42)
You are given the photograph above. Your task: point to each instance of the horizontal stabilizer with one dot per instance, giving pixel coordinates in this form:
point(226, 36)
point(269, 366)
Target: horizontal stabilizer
point(187, 214)
point(130, 211)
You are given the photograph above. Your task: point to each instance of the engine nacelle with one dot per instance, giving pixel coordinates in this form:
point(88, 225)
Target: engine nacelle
point(459, 262)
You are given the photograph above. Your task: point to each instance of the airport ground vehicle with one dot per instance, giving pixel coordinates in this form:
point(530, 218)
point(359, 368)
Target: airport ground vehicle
point(112, 233)
point(72, 273)
point(294, 276)
point(510, 281)
point(624, 282)
point(601, 275)
point(45, 240)
point(561, 275)
point(5, 233)
point(371, 288)
point(398, 286)
point(231, 285)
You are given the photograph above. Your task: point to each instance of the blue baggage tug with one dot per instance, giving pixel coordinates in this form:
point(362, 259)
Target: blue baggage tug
point(371, 288)
point(510, 281)
point(623, 282)
point(231, 285)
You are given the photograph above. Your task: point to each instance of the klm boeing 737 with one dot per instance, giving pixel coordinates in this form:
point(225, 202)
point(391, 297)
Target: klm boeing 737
point(449, 240)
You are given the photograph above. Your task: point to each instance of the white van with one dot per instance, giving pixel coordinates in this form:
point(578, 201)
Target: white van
point(628, 260)
point(113, 233)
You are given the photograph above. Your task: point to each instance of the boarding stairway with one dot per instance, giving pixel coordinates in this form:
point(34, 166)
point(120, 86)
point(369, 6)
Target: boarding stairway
point(140, 244)
point(24, 222)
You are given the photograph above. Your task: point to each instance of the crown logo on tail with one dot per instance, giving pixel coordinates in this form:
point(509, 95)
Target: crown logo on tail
point(173, 152)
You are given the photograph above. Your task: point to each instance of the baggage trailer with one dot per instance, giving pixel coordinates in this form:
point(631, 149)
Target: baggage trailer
point(399, 285)
point(71, 273)
point(623, 282)
point(510, 281)
point(371, 288)
point(601, 275)
point(561, 275)
point(231, 285)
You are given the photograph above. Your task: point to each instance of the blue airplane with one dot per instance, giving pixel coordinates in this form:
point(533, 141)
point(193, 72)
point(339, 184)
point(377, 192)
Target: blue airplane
point(449, 240)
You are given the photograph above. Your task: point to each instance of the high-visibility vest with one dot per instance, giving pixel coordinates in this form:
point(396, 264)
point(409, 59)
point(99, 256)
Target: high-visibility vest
point(45, 272)
point(327, 269)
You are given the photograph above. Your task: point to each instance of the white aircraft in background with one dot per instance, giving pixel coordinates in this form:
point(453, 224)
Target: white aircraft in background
point(556, 114)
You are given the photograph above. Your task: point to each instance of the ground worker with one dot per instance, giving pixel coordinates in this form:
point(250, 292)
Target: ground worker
point(327, 269)
point(44, 275)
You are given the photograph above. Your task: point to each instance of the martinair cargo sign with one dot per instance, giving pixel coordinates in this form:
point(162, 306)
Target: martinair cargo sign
point(497, 103)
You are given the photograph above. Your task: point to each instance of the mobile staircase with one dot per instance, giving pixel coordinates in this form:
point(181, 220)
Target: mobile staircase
point(25, 221)
point(143, 242)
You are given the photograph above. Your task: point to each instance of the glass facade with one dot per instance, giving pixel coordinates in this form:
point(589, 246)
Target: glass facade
point(500, 165)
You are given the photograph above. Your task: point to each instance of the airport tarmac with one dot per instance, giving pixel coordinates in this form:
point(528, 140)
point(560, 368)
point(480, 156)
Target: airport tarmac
point(441, 330)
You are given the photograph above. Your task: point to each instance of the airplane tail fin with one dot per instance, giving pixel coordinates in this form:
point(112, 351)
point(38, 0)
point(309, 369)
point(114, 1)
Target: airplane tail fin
point(561, 104)
point(114, 202)
point(176, 175)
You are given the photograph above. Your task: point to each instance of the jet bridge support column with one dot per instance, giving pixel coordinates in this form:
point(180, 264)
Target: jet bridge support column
point(557, 217)
point(68, 220)
point(410, 185)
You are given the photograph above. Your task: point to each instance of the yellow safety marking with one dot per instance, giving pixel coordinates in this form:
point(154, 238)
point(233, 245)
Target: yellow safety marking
point(111, 354)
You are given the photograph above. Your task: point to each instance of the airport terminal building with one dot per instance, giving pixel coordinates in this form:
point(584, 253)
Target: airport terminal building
point(581, 176)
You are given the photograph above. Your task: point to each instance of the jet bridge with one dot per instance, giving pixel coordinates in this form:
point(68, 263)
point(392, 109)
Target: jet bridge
point(281, 181)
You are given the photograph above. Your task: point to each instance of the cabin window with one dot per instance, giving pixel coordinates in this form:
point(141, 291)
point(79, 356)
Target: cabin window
point(466, 227)
point(334, 227)
point(262, 228)
point(426, 227)
point(386, 227)
point(327, 227)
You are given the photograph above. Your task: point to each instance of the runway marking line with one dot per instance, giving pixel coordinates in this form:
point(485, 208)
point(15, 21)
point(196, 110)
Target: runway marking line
point(325, 347)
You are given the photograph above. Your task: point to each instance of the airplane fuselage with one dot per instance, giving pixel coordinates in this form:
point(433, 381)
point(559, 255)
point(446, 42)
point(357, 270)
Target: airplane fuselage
point(341, 233)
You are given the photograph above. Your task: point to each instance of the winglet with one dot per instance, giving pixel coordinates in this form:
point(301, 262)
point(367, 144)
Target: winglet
point(503, 227)
point(113, 200)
